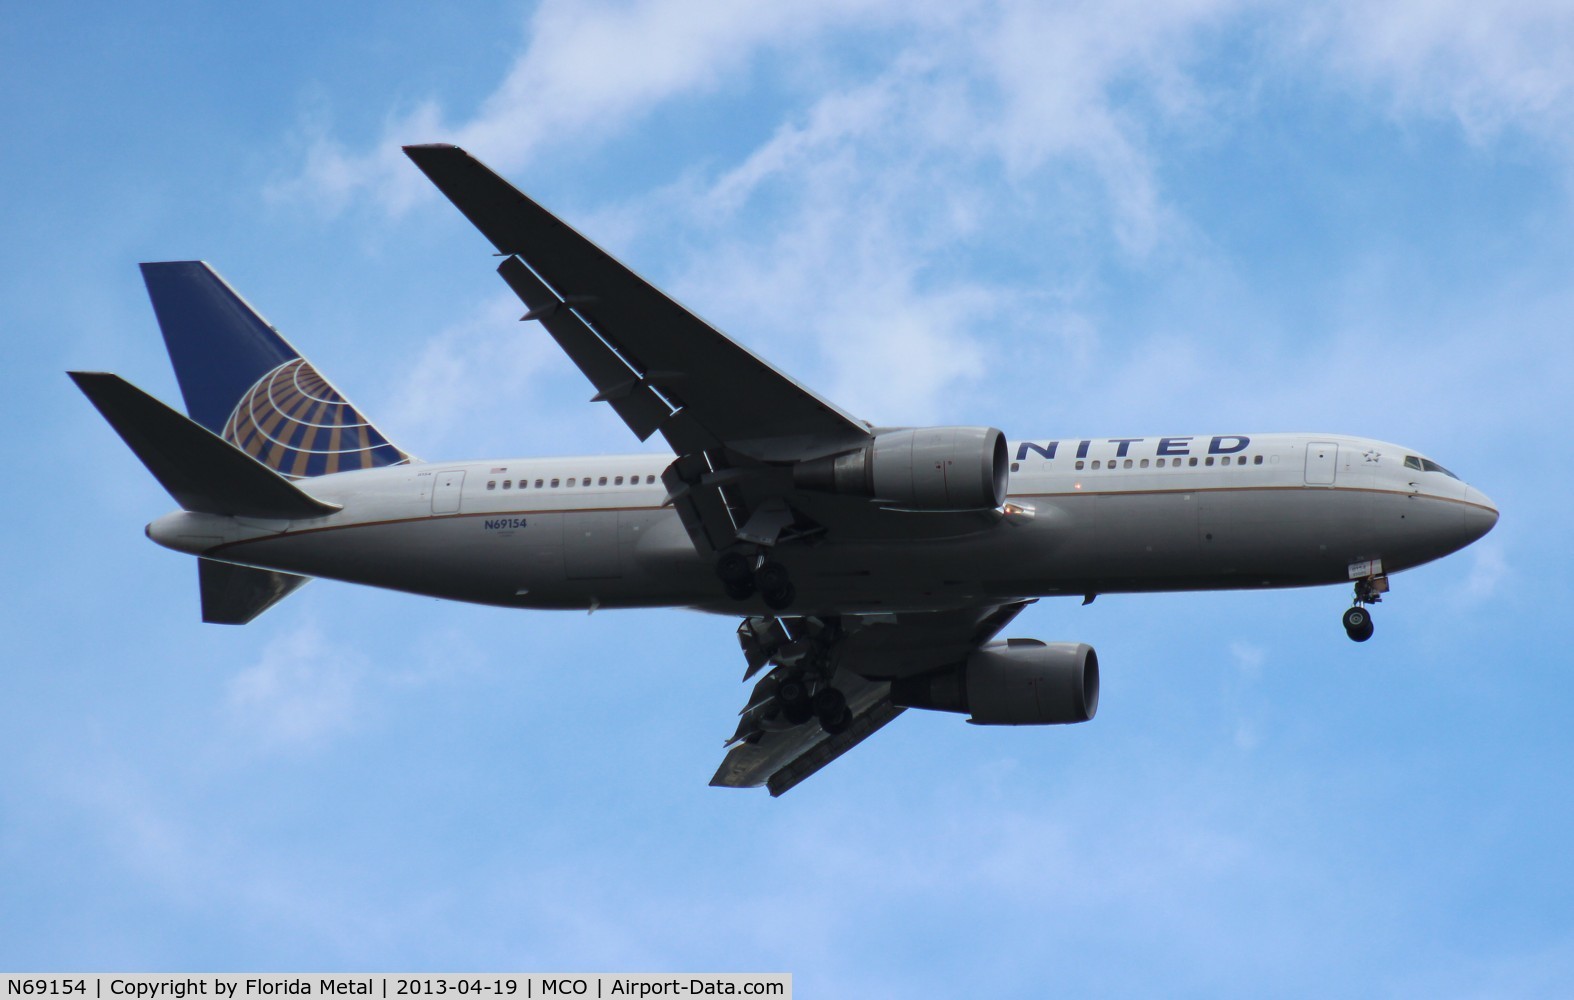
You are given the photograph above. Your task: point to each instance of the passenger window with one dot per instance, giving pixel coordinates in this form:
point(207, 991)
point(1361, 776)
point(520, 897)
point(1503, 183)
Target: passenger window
point(1257, 460)
point(1192, 461)
point(538, 484)
point(650, 479)
point(602, 481)
point(1208, 460)
point(1079, 465)
point(508, 484)
point(618, 481)
point(554, 484)
point(1095, 463)
point(1128, 463)
point(1145, 463)
point(1014, 467)
point(491, 484)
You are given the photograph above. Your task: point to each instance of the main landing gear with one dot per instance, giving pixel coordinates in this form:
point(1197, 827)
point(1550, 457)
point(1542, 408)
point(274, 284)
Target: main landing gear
point(1358, 619)
point(744, 575)
point(798, 688)
point(827, 705)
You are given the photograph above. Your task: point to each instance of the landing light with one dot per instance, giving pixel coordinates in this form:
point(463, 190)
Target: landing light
point(1018, 513)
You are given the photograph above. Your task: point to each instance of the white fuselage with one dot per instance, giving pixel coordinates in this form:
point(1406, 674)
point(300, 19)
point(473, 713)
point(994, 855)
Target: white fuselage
point(1084, 517)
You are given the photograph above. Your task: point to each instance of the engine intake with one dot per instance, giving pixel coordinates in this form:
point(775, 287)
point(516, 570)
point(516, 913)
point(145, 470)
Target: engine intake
point(922, 468)
point(1018, 682)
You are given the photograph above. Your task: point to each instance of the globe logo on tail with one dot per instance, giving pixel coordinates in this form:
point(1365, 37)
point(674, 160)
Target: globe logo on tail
point(297, 424)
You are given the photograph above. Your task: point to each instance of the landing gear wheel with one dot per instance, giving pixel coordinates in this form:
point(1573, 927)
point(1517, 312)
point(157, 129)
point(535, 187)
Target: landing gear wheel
point(735, 573)
point(793, 695)
point(830, 707)
point(841, 725)
point(775, 586)
point(781, 598)
point(1358, 624)
point(770, 576)
point(732, 566)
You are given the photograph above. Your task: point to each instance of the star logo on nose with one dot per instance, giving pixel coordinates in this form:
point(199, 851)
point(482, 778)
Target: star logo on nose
point(1373, 455)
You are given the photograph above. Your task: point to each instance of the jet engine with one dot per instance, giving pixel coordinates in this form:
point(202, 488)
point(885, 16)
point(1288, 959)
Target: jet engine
point(1018, 682)
point(920, 468)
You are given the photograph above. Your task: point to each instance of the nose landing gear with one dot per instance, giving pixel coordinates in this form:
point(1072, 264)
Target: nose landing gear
point(1358, 620)
point(1358, 623)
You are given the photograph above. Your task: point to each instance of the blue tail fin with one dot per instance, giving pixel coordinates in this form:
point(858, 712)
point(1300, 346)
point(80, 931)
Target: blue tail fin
point(244, 382)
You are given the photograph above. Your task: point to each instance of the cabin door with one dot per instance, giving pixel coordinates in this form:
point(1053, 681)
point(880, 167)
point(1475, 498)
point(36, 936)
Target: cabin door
point(446, 491)
point(1322, 463)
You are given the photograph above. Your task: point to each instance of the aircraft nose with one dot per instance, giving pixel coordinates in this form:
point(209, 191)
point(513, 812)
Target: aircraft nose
point(1480, 513)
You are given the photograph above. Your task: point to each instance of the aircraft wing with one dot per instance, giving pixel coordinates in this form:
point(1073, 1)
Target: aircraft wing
point(866, 653)
point(660, 366)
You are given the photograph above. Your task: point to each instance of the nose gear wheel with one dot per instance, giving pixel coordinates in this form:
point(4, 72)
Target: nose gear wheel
point(1358, 623)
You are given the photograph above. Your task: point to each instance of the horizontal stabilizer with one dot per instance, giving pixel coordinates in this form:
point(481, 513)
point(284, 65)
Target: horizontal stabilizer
point(202, 471)
point(234, 595)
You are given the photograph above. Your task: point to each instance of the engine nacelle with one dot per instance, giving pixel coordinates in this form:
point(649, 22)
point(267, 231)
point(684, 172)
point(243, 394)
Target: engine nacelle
point(921, 468)
point(1018, 682)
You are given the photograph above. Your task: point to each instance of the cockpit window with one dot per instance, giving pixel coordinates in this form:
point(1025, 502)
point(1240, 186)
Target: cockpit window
point(1426, 465)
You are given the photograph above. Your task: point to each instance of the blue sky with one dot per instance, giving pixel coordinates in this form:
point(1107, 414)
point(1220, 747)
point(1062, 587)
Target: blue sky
point(1190, 216)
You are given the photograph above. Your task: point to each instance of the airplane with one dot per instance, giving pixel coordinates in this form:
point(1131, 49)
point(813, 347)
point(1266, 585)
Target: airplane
point(872, 567)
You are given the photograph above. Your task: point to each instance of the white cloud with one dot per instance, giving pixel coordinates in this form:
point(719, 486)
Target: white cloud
point(1249, 659)
point(586, 71)
point(303, 691)
point(467, 369)
point(1246, 703)
point(185, 860)
point(1488, 570)
point(844, 238)
point(873, 168)
point(1490, 67)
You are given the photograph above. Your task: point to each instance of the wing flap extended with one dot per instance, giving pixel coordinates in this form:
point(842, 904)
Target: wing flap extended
point(701, 507)
point(630, 392)
point(864, 653)
point(733, 395)
point(780, 761)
